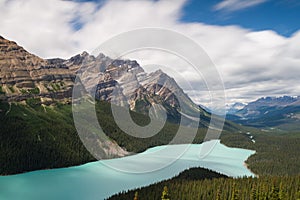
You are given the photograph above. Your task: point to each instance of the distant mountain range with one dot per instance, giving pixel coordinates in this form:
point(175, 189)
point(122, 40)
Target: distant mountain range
point(282, 113)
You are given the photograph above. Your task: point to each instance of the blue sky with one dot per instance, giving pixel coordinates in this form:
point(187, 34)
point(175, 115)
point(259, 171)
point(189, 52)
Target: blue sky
point(280, 16)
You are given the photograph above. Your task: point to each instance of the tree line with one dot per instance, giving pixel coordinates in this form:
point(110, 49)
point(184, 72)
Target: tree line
point(187, 187)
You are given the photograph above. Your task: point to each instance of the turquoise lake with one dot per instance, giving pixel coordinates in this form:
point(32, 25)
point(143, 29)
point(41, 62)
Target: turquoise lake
point(101, 179)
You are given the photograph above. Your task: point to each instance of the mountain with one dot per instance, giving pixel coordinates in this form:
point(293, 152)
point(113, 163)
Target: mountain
point(282, 113)
point(38, 129)
point(232, 109)
point(256, 108)
point(24, 75)
point(135, 88)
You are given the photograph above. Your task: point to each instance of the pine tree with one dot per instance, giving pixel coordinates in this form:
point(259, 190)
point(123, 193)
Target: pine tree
point(274, 193)
point(234, 195)
point(298, 194)
point(218, 195)
point(253, 193)
point(136, 196)
point(282, 194)
point(165, 194)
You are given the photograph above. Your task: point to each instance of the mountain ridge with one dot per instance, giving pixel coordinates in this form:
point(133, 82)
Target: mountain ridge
point(35, 98)
point(24, 75)
point(281, 113)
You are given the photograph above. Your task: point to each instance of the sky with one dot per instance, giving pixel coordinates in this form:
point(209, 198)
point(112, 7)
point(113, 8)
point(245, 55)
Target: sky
point(254, 44)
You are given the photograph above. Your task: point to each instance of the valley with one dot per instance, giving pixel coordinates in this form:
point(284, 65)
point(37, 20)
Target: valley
point(39, 141)
point(107, 177)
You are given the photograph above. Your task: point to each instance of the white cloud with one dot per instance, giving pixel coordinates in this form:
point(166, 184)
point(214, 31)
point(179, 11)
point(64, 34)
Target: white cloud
point(252, 64)
point(234, 5)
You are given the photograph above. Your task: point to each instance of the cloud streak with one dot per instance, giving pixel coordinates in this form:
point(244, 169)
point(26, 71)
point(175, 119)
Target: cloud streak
point(234, 5)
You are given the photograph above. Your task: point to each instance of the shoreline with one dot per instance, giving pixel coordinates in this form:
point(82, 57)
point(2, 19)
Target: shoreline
point(247, 166)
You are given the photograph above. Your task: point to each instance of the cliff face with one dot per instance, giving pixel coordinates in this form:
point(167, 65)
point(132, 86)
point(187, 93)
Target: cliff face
point(24, 75)
point(34, 81)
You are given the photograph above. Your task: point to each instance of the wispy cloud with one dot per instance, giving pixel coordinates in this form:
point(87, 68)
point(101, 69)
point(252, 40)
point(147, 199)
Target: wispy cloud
point(234, 5)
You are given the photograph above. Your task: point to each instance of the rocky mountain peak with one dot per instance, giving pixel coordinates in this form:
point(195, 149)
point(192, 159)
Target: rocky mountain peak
point(274, 101)
point(24, 75)
point(84, 54)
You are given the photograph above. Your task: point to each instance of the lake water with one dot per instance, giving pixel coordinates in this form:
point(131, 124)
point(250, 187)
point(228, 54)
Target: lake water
point(101, 179)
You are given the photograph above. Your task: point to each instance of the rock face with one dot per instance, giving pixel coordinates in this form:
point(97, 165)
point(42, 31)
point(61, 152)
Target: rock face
point(24, 75)
point(123, 82)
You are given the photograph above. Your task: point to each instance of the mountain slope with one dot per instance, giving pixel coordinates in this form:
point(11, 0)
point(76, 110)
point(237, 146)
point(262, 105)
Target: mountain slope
point(24, 75)
point(281, 113)
point(233, 109)
point(38, 137)
point(35, 94)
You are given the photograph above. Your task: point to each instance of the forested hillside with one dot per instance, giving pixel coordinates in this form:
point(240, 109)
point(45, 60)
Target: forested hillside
point(35, 136)
point(276, 154)
point(38, 137)
point(189, 185)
